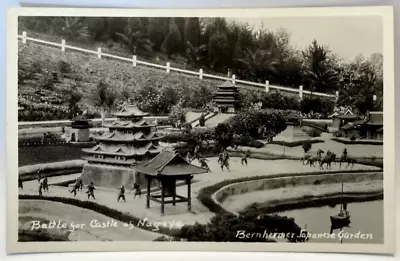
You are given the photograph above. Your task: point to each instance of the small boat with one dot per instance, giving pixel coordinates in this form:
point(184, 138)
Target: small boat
point(343, 218)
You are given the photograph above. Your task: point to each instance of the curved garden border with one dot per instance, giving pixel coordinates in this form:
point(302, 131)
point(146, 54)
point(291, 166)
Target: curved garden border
point(206, 194)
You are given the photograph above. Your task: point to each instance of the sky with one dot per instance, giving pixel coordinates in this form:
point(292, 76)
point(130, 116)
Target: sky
point(345, 36)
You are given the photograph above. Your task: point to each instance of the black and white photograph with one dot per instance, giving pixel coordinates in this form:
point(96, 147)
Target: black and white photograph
point(201, 127)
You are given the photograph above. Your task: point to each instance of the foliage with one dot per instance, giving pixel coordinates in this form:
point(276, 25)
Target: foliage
point(292, 144)
point(259, 124)
point(224, 228)
point(312, 104)
point(320, 68)
point(312, 132)
point(177, 115)
point(104, 98)
point(307, 146)
point(223, 135)
point(173, 40)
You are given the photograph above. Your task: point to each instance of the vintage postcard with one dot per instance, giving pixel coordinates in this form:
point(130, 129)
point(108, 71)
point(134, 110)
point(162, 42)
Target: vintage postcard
point(211, 130)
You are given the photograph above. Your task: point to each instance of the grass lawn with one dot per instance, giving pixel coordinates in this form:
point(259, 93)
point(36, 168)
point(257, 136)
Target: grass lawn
point(46, 154)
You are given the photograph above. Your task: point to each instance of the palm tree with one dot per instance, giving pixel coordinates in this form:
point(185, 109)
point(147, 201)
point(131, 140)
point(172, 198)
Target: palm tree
point(320, 68)
point(196, 55)
point(258, 64)
point(71, 26)
point(136, 41)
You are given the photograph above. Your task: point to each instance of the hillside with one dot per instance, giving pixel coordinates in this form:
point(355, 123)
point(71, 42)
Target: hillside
point(54, 72)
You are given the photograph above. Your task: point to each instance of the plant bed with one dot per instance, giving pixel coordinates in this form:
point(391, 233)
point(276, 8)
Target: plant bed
point(357, 142)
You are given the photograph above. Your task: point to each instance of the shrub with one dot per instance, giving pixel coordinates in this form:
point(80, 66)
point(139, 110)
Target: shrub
point(276, 100)
point(177, 116)
point(258, 124)
point(312, 132)
point(306, 146)
point(312, 104)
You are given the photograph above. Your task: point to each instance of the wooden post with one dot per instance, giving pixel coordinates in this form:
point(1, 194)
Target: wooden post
point(24, 37)
point(174, 194)
point(63, 45)
point(162, 197)
point(337, 95)
point(99, 53)
point(168, 67)
point(233, 79)
point(201, 74)
point(266, 86)
point(134, 60)
point(188, 182)
point(301, 91)
point(148, 191)
point(374, 97)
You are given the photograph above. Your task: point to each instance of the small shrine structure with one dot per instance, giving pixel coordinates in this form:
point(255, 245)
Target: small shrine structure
point(129, 141)
point(227, 98)
point(80, 129)
point(167, 168)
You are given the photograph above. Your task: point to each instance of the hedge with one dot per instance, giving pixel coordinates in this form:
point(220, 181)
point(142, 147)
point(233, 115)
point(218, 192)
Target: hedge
point(50, 169)
point(358, 142)
point(205, 194)
point(109, 212)
point(291, 144)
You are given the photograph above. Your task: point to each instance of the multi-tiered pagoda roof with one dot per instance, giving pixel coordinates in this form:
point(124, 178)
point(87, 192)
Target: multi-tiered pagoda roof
point(227, 96)
point(130, 140)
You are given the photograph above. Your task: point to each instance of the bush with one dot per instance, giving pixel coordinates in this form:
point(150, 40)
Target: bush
point(277, 100)
point(313, 104)
point(306, 146)
point(177, 115)
point(312, 132)
point(258, 124)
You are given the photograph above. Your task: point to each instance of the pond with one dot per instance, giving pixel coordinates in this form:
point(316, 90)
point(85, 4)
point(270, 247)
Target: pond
point(366, 218)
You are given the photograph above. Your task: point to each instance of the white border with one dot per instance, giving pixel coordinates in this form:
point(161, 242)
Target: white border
point(12, 134)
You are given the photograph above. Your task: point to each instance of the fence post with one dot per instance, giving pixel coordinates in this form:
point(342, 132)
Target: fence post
point(201, 73)
point(301, 91)
point(134, 60)
point(24, 37)
point(168, 67)
point(337, 95)
point(63, 45)
point(266, 86)
point(233, 79)
point(99, 53)
point(374, 97)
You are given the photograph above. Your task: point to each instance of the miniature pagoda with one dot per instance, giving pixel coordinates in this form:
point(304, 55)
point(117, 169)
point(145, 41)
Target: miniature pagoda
point(129, 141)
point(227, 97)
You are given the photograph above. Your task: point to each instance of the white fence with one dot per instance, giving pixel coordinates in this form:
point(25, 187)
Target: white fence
point(135, 62)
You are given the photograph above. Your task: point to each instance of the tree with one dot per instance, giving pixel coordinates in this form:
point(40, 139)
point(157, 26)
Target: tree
point(319, 68)
point(173, 40)
point(157, 30)
point(223, 135)
point(258, 124)
point(192, 31)
point(71, 27)
point(360, 80)
point(136, 41)
point(258, 65)
point(104, 99)
point(73, 97)
point(307, 146)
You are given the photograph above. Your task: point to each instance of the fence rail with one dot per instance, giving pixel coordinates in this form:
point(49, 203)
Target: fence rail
point(266, 86)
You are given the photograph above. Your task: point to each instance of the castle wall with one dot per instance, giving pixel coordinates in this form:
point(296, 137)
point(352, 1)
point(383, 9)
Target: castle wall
point(108, 176)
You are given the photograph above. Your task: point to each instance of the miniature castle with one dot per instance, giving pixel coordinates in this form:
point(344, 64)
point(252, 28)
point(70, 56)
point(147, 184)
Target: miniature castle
point(129, 141)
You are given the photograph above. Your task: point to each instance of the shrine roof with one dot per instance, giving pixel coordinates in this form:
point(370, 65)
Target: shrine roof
point(130, 110)
point(123, 150)
point(120, 136)
point(169, 163)
point(129, 124)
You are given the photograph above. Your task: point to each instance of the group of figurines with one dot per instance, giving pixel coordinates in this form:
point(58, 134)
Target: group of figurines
point(223, 158)
point(43, 184)
point(78, 186)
